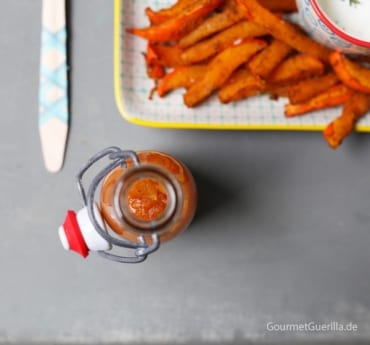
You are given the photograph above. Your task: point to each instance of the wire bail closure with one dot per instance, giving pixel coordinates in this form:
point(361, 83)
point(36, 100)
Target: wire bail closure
point(118, 158)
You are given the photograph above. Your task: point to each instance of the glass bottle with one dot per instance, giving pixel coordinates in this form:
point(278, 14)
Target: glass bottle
point(145, 198)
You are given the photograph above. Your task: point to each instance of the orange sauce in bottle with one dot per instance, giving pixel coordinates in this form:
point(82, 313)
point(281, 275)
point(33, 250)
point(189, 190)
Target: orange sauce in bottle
point(159, 196)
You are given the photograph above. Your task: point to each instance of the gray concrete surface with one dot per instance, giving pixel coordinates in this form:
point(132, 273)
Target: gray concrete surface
point(282, 233)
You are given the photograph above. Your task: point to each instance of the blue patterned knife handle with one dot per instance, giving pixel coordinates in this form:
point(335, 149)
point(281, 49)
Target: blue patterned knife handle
point(53, 95)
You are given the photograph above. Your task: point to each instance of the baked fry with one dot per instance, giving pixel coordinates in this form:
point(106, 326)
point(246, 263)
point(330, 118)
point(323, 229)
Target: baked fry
point(276, 91)
point(242, 84)
point(210, 47)
point(279, 5)
point(296, 67)
point(356, 107)
point(269, 58)
point(175, 27)
point(160, 16)
point(306, 89)
point(220, 69)
point(167, 56)
point(335, 95)
point(241, 94)
point(282, 29)
point(153, 69)
point(230, 15)
point(183, 76)
point(354, 75)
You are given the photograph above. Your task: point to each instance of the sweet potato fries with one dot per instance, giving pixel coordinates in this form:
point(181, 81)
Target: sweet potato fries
point(238, 49)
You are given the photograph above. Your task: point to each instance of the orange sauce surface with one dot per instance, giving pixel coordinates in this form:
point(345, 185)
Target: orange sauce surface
point(147, 199)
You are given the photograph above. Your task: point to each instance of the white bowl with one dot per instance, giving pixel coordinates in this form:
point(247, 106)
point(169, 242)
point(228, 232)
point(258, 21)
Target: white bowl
point(338, 24)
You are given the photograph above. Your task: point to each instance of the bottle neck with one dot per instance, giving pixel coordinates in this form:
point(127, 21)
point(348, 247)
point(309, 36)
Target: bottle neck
point(146, 198)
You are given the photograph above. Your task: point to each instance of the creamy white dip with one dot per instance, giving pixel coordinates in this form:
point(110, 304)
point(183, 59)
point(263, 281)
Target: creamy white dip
point(350, 17)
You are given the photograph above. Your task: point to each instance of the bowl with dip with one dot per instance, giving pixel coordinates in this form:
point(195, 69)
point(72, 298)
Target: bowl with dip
point(338, 24)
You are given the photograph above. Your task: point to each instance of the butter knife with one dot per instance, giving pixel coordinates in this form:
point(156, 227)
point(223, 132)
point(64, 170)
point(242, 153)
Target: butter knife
point(53, 93)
